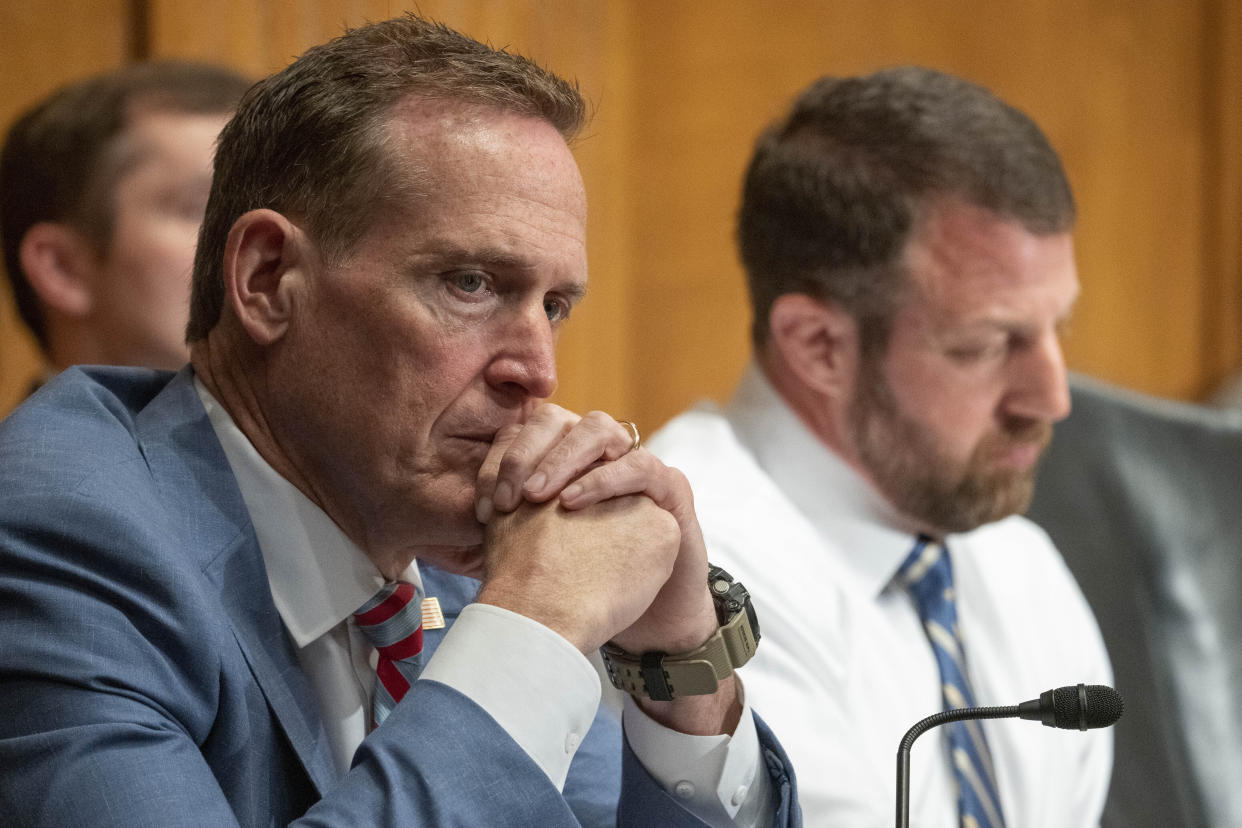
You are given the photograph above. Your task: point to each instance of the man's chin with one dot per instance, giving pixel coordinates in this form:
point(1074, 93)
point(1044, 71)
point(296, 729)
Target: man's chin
point(459, 560)
point(973, 502)
point(996, 499)
point(452, 539)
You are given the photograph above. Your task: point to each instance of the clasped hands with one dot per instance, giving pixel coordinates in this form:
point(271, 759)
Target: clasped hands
point(591, 539)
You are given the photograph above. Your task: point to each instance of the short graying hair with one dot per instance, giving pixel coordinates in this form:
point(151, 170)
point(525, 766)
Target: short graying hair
point(308, 141)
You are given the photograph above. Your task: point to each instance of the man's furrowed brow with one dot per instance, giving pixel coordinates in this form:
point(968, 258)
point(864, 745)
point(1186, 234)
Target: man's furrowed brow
point(575, 292)
point(494, 258)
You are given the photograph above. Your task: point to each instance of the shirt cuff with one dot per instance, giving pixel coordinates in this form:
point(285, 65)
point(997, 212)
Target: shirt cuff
point(536, 685)
point(714, 777)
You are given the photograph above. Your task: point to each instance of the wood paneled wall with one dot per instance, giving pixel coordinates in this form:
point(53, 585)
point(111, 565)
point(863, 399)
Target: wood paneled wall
point(1142, 97)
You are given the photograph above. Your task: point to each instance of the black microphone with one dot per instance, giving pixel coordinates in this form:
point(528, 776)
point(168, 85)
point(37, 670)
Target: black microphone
point(1069, 708)
point(1083, 707)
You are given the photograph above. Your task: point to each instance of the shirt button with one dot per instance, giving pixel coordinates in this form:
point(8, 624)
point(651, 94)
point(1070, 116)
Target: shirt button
point(739, 796)
point(571, 742)
point(684, 789)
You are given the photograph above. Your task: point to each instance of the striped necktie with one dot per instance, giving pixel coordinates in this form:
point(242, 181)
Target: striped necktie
point(927, 575)
point(392, 621)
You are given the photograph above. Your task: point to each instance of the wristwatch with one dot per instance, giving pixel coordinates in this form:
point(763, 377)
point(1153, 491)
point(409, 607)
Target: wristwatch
point(663, 677)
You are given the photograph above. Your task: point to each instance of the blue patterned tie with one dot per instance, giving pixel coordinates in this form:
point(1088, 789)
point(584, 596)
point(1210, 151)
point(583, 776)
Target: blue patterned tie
point(927, 575)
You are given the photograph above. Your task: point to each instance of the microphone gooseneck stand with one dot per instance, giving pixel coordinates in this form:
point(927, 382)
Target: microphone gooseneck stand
point(907, 741)
point(1083, 707)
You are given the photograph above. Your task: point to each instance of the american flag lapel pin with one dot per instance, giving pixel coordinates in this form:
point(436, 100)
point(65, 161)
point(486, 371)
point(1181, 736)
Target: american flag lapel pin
point(433, 618)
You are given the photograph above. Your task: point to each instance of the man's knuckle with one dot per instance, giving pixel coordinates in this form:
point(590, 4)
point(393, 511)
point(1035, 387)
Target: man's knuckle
point(517, 457)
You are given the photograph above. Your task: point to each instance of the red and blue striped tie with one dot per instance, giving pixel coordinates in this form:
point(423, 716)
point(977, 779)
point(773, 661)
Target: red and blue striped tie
point(392, 621)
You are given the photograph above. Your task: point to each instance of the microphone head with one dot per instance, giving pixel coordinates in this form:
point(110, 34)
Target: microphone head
point(1084, 707)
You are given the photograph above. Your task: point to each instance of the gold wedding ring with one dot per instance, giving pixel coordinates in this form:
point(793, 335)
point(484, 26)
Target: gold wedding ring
point(635, 440)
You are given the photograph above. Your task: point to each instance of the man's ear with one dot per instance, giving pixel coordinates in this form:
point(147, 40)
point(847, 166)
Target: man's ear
point(60, 265)
point(265, 263)
point(817, 341)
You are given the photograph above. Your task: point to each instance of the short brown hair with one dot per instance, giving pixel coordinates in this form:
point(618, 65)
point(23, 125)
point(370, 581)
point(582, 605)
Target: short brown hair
point(307, 141)
point(833, 190)
point(55, 162)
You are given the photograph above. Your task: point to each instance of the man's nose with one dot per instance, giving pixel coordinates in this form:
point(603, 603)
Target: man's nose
point(525, 360)
point(1038, 386)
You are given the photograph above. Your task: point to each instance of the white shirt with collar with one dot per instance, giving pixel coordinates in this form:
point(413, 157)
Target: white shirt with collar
point(844, 667)
point(318, 578)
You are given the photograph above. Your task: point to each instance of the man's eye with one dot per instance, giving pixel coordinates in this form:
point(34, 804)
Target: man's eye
point(556, 309)
point(976, 352)
point(469, 281)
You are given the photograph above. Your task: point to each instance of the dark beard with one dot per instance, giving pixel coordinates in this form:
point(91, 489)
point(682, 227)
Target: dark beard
point(910, 469)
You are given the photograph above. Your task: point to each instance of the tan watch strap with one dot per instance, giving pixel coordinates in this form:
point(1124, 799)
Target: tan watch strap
point(664, 677)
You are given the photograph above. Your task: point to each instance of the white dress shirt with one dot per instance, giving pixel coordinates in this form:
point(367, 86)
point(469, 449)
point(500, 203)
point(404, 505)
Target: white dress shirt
point(318, 578)
point(844, 667)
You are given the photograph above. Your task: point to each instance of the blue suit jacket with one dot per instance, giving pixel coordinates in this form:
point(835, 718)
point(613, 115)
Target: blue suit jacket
point(147, 679)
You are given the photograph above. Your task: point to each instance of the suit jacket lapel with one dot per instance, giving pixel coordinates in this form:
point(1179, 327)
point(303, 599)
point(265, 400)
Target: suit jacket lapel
point(187, 461)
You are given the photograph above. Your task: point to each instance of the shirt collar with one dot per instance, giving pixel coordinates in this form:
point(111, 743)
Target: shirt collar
point(318, 576)
point(844, 507)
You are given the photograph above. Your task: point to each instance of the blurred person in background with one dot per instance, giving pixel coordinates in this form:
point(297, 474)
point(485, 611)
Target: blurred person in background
point(103, 185)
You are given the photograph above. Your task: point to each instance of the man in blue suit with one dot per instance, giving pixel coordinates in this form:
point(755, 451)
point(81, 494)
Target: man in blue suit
point(394, 236)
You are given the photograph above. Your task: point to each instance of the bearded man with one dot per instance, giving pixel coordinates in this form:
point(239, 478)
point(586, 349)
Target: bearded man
point(907, 242)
